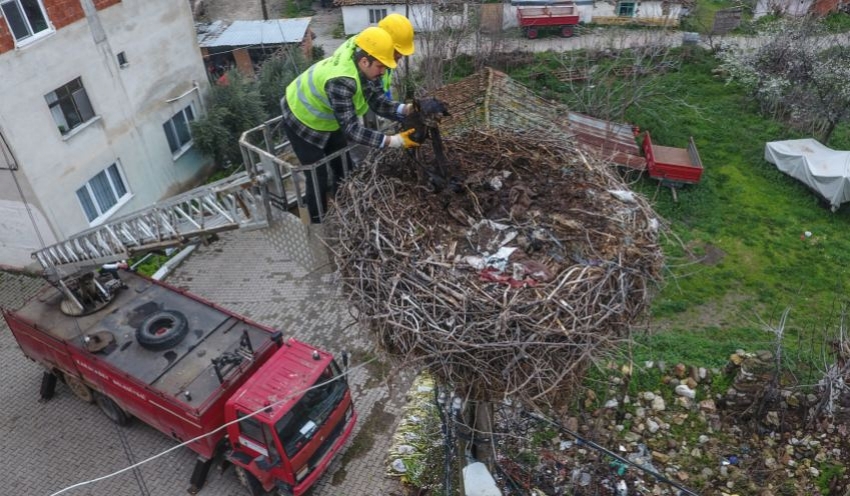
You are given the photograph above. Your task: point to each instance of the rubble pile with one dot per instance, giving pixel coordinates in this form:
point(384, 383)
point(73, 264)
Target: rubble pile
point(690, 430)
point(510, 282)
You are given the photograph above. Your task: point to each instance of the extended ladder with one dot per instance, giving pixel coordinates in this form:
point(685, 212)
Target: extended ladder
point(238, 201)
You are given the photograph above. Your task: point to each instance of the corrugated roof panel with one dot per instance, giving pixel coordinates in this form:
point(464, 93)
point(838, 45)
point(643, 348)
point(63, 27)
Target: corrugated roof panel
point(252, 33)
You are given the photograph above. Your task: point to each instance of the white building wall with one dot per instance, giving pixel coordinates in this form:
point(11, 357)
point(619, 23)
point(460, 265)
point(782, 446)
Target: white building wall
point(355, 18)
point(654, 9)
point(642, 9)
point(158, 39)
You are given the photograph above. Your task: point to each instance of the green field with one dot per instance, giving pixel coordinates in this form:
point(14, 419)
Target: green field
point(735, 257)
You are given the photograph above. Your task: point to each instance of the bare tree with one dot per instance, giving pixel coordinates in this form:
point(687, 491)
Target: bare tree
point(798, 73)
point(614, 73)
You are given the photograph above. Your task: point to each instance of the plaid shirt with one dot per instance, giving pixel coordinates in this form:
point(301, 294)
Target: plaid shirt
point(340, 91)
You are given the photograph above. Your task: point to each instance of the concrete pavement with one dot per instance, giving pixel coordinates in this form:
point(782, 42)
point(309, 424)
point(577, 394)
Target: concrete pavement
point(51, 445)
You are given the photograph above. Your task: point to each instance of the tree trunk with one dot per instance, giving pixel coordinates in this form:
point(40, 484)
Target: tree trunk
point(827, 132)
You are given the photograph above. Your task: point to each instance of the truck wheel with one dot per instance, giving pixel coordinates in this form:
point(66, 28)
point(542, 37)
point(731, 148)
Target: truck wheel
point(249, 481)
point(531, 33)
point(162, 330)
point(567, 31)
point(111, 409)
point(79, 389)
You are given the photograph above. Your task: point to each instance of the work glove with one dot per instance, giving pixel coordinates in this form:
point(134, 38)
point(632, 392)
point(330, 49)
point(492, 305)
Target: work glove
point(403, 140)
point(431, 107)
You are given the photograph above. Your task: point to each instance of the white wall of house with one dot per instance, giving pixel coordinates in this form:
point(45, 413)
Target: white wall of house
point(356, 18)
point(641, 9)
point(164, 74)
point(796, 8)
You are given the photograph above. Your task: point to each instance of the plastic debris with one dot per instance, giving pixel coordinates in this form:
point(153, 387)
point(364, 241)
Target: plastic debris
point(398, 465)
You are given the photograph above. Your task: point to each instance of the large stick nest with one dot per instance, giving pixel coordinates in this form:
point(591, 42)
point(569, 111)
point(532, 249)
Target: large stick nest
point(415, 263)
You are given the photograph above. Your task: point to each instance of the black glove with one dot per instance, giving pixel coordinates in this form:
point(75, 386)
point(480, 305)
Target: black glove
point(431, 106)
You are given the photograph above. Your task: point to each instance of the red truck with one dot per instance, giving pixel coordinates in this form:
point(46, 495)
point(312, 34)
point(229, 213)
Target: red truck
point(187, 367)
point(564, 17)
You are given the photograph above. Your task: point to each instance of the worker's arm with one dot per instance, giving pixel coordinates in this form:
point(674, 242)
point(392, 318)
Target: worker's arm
point(380, 104)
point(340, 93)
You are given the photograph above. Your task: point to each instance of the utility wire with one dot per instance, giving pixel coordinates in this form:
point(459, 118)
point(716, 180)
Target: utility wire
point(173, 448)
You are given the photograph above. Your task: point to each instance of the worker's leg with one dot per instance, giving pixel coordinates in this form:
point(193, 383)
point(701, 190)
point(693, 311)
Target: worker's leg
point(310, 154)
point(337, 142)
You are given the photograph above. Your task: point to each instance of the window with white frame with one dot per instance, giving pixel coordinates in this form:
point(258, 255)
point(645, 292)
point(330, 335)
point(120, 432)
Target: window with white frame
point(177, 130)
point(69, 106)
point(626, 9)
point(26, 18)
point(375, 15)
point(102, 192)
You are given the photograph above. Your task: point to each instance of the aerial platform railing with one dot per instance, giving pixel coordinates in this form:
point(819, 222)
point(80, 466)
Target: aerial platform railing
point(236, 202)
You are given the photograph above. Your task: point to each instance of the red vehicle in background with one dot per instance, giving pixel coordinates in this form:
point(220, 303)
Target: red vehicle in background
point(672, 165)
point(563, 17)
point(187, 367)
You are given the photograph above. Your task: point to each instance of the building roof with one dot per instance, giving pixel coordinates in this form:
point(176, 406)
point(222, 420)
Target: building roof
point(250, 33)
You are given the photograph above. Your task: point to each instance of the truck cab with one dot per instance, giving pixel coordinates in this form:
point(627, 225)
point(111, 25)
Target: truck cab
point(286, 423)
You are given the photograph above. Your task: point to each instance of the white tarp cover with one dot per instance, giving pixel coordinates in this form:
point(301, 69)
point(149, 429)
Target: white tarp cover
point(822, 169)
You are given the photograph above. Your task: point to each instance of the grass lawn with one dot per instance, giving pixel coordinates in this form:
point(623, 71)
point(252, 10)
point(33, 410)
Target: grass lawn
point(749, 216)
point(735, 258)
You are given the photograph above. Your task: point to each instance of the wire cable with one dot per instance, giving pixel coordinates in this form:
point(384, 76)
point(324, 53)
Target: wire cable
point(223, 426)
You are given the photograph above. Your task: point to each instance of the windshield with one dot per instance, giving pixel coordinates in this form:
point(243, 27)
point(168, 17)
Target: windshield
point(299, 424)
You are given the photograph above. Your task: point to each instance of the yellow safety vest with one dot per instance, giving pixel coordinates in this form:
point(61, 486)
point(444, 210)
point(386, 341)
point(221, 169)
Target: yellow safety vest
point(308, 100)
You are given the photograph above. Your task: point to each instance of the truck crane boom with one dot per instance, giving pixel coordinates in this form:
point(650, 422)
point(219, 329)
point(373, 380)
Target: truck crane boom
point(230, 203)
point(236, 202)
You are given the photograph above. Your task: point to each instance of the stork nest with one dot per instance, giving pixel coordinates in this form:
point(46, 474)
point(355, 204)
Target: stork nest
point(426, 275)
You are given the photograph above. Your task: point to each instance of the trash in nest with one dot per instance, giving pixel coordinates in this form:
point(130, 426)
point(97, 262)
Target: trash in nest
point(623, 195)
point(494, 275)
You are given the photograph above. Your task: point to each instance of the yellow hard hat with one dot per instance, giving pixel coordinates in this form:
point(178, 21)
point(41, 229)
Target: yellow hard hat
point(401, 30)
point(377, 43)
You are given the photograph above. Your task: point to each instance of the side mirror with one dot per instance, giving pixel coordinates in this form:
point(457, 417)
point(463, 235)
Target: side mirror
point(345, 355)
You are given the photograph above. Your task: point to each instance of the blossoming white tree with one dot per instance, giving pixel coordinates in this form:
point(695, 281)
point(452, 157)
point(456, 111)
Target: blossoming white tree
point(798, 73)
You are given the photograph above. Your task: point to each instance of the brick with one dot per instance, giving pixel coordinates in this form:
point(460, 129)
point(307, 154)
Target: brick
point(7, 42)
point(102, 4)
point(63, 12)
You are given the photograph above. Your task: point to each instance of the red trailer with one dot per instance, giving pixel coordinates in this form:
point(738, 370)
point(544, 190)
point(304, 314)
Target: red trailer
point(563, 17)
point(672, 165)
point(186, 367)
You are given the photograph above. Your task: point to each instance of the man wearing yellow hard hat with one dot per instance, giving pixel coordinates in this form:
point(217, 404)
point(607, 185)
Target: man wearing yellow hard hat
point(401, 30)
point(321, 108)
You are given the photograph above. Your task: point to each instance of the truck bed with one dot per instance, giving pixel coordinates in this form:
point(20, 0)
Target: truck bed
point(185, 367)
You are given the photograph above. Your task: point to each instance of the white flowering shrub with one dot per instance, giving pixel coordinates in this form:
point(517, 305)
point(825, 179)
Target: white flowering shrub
point(796, 71)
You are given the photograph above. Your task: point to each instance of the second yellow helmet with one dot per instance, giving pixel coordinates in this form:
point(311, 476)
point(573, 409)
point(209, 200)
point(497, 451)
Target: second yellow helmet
point(401, 30)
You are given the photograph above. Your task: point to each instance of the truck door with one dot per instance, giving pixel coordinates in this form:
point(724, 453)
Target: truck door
point(258, 439)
